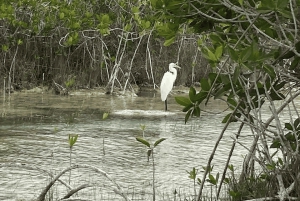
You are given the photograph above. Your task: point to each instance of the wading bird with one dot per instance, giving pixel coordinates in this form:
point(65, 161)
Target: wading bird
point(167, 82)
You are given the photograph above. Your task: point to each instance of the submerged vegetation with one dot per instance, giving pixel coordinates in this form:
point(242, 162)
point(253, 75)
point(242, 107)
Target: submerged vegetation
point(246, 53)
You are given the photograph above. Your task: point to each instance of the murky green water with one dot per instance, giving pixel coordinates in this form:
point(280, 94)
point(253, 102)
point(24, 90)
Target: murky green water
point(34, 130)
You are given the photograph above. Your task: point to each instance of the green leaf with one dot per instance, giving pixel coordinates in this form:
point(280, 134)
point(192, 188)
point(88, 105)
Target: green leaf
point(157, 4)
point(143, 127)
point(226, 180)
point(187, 108)
point(212, 179)
point(246, 53)
point(105, 19)
point(127, 27)
point(282, 4)
point(135, 9)
point(208, 54)
point(231, 103)
point(226, 118)
point(183, 101)
point(241, 2)
point(290, 137)
point(232, 119)
point(143, 141)
point(192, 173)
point(236, 74)
point(279, 86)
point(248, 66)
point(199, 181)
point(216, 38)
point(159, 141)
point(235, 194)
point(211, 78)
point(72, 139)
point(288, 126)
point(231, 168)
point(270, 71)
point(169, 41)
point(220, 93)
point(61, 15)
point(232, 53)
point(200, 42)
point(219, 52)
point(19, 42)
point(254, 52)
point(187, 116)
point(225, 79)
point(196, 111)
point(276, 96)
point(270, 167)
point(192, 94)
point(5, 48)
point(276, 144)
point(286, 13)
point(202, 95)
point(294, 63)
point(280, 161)
point(204, 84)
point(105, 115)
point(297, 123)
point(146, 24)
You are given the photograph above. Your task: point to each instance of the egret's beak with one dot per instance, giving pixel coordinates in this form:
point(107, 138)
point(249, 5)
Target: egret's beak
point(176, 65)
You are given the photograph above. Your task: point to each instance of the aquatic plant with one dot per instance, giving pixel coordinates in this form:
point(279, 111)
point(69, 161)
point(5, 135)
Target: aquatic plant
point(72, 140)
point(143, 128)
point(193, 175)
point(70, 189)
point(104, 117)
point(150, 152)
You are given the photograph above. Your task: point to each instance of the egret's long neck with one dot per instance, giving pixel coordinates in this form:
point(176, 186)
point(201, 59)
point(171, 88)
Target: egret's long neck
point(174, 72)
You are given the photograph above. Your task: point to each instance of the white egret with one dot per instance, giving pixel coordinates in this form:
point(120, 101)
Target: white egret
point(167, 82)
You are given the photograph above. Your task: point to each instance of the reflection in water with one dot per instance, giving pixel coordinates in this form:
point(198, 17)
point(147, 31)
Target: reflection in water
point(34, 130)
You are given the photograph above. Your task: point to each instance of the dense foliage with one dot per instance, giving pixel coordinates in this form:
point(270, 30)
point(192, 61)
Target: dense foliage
point(252, 47)
point(87, 44)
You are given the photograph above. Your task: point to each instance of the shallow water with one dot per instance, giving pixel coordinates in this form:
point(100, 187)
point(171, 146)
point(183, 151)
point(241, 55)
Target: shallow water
point(34, 130)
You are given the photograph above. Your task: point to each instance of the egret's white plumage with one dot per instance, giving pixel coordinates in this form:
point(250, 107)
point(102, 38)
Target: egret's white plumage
point(167, 82)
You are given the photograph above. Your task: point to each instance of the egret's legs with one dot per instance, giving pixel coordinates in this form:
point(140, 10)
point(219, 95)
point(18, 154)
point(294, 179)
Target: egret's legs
point(166, 105)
